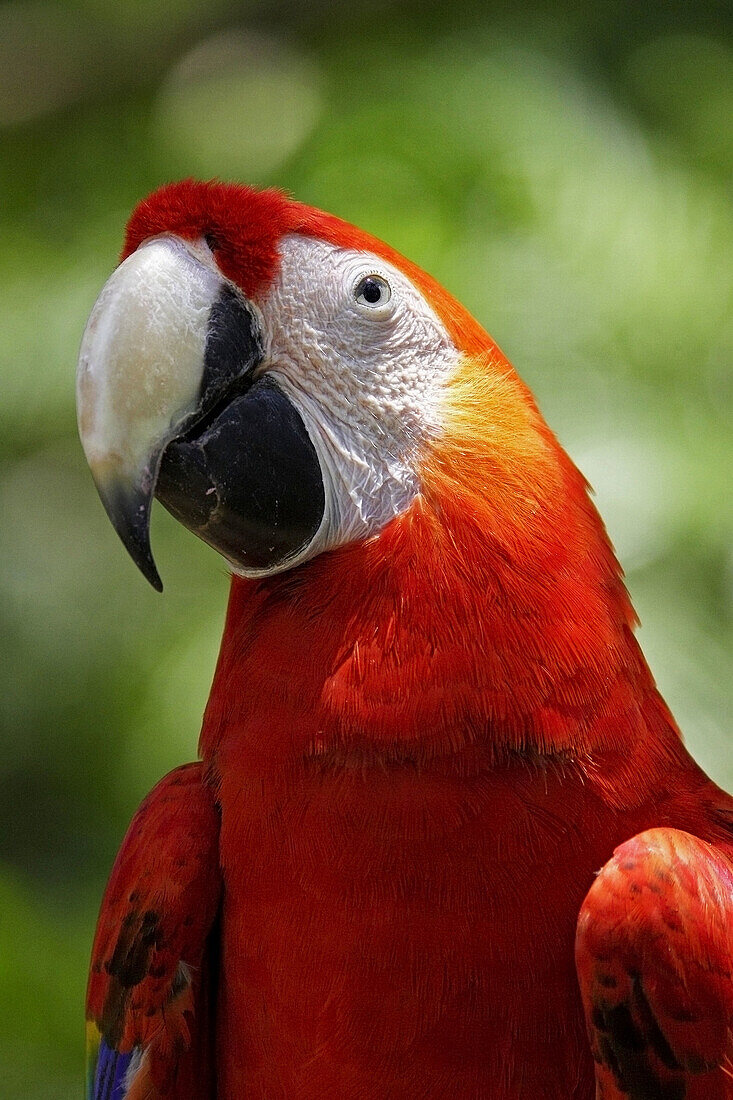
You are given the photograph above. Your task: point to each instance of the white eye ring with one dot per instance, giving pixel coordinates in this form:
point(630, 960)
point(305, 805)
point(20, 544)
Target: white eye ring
point(373, 295)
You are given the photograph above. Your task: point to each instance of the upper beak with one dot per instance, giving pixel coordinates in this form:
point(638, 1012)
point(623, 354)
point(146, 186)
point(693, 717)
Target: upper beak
point(167, 339)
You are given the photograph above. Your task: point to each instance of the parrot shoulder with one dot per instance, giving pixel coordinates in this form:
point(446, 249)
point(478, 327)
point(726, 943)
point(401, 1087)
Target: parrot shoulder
point(654, 953)
point(153, 960)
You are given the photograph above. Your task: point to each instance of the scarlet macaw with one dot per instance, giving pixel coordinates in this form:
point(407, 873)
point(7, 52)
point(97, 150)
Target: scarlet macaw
point(436, 774)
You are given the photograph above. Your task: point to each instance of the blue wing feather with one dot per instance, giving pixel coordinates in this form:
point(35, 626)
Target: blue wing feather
point(109, 1074)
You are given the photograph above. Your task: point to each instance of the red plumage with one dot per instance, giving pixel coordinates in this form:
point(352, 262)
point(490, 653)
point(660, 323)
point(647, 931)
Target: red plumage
point(149, 960)
point(423, 748)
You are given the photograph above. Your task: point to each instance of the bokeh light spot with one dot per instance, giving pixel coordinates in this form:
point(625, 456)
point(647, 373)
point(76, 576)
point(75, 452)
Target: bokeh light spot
point(237, 106)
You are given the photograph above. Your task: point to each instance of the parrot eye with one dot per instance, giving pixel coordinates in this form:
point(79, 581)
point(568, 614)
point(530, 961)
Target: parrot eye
point(373, 292)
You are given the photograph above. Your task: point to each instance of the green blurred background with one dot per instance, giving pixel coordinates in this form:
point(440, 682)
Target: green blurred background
point(565, 172)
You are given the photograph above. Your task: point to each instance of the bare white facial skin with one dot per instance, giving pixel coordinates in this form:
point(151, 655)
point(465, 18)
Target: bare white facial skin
point(366, 377)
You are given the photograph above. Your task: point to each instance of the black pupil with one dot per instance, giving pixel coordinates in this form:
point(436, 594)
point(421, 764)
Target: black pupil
point(371, 291)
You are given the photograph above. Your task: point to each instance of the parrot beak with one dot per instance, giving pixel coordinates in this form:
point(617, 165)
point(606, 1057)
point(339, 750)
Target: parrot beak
point(169, 406)
point(166, 339)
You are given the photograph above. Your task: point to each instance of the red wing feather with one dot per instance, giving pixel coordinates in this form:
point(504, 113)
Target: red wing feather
point(148, 989)
point(654, 952)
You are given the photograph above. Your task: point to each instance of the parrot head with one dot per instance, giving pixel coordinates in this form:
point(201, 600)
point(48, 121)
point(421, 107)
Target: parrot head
point(278, 379)
point(269, 373)
point(293, 390)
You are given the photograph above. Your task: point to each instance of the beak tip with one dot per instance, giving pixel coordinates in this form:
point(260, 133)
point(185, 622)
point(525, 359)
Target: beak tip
point(151, 574)
point(129, 510)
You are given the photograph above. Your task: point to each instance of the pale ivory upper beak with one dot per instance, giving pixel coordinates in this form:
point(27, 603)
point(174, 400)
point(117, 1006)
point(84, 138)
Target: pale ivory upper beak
point(139, 376)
